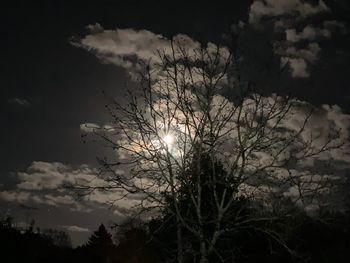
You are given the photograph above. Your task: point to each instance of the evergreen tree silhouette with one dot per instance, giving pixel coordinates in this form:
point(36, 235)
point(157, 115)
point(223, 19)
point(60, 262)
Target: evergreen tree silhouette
point(101, 237)
point(101, 245)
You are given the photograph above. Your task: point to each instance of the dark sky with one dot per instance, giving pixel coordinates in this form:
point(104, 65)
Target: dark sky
point(49, 87)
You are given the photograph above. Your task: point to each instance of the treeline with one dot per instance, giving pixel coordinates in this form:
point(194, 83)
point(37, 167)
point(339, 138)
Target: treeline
point(321, 240)
point(26, 244)
point(307, 239)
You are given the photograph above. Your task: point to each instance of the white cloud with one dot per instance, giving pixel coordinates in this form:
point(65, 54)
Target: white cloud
point(123, 47)
point(96, 28)
point(308, 33)
point(94, 127)
point(297, 65)
point(130, 48)
point(14, 196)
point(324, 122)
point(76, 228)
point(57, 200)
point(45, 175)
point(299, 59)
point(89, 127)
point(287, 15)
point(44, 183)
point(275, 8)
point(22, 197)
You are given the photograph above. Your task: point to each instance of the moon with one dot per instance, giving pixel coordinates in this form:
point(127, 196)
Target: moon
point(168, 140)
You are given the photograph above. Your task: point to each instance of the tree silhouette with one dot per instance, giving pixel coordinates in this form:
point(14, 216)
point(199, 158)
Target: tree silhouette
point(100, 245)
point(250, 150)
point(57, 237)
point(100, 237)
point(133, 243)
point(25, 245)
point(245, 227)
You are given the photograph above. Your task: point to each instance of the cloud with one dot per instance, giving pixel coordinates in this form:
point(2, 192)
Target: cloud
point(131, 49)
point(89, 127)
point(313, 175)
point(46, 176)
point(19, 102)
point(23, 197)
point(94, 127)
point(323, 123)
point(14, 196)
point(308, 33)
point(299, 59)
point(275, 8)
point(76, 228)
point(334, 25)
point(44, 183)
point(297, 65)
point(298, 49)
point(122, 47)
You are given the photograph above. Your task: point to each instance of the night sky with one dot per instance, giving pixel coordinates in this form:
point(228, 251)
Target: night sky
point(52, 82)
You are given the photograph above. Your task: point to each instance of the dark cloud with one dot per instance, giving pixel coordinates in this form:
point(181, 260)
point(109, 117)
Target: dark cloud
point(19, 102)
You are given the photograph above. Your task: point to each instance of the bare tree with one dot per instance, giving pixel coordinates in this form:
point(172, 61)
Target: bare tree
point(253, 144)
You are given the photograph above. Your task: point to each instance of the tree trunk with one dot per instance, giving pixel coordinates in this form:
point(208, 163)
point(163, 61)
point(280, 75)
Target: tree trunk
point(179, 241)
point(203, 251)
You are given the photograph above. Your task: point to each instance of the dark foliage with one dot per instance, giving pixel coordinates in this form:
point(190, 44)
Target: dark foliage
point(29, 246)
point(323, 240)
point(99, 248)
point(291, 237)
point(310, 240)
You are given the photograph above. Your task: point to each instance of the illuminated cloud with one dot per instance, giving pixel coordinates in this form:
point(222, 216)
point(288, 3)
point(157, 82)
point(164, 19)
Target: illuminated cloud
point(42, 182)
point(45, 175)
point(275, 8)
point(45, 183)
point(89, 127)
point(24, 197)
point(94, 127)
point(308, 33)
point(76, 228)
point(14, 196)
point(126, 47)
point(299, 50)
point(297, 65)
point(131, 49)
point(109, 46)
